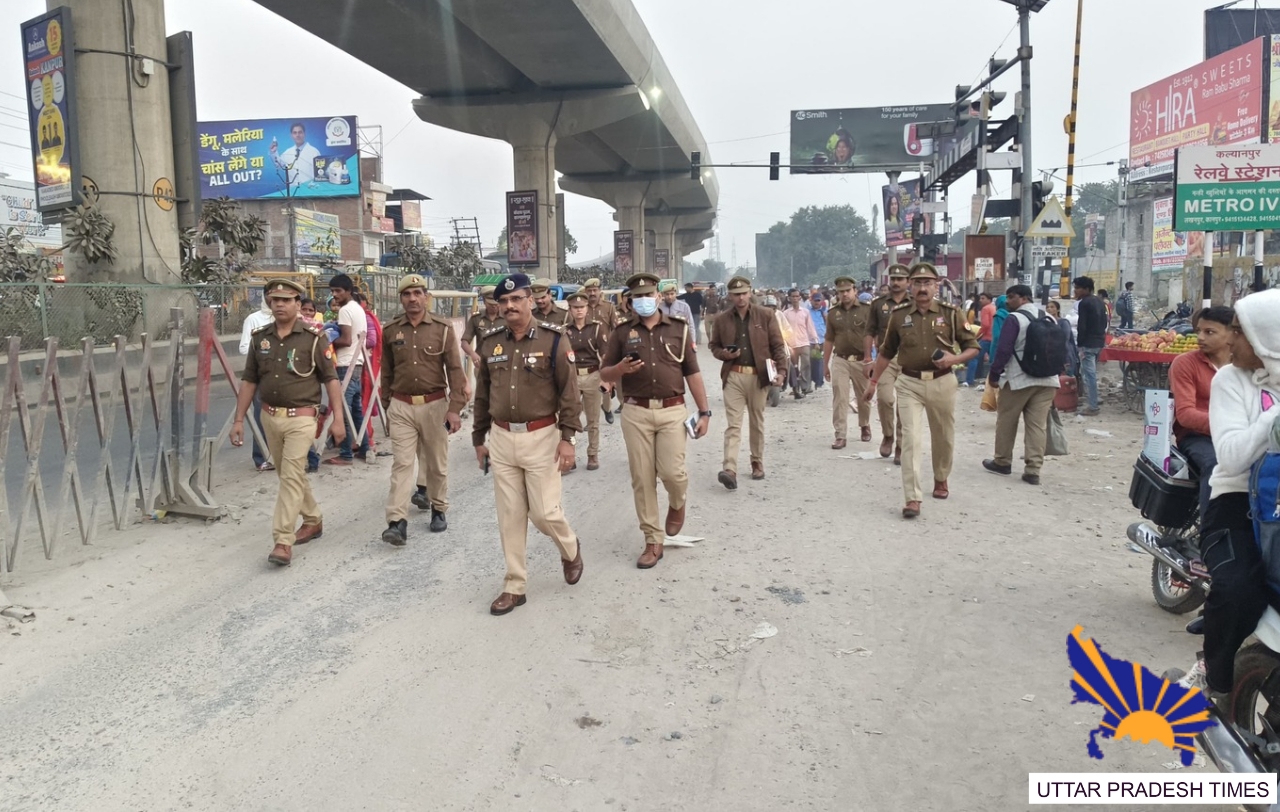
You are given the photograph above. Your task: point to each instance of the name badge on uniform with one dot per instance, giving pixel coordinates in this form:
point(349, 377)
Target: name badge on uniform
point(939, 322)
point(496, 359)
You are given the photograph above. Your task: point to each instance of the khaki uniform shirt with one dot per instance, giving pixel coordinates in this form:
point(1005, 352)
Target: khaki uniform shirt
point(422, 360)
point(588, 343)
point(913, 337)
point(667, 352)
point(605, 313)
point(289, 372)
point(517, 381)
point(880, 309)
point(847, 329)
point(553, 316)
point(477, 326)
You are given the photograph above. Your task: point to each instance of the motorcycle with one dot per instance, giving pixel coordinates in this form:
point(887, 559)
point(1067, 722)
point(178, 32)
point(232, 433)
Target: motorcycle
point(1169, 500)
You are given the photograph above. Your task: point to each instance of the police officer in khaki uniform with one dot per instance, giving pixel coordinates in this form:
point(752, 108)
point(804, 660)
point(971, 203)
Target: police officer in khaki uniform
point(587, 336)
point(544, 304)
point(288, 363)
point(421, 367)
point(652, 355)
point(527, 407)
point(599, 308)
point(923, 337)
point(843, 351)
point(886, 393)
point(480, 323)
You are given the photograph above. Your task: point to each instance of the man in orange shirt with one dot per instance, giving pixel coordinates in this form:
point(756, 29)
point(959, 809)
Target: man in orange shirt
point(986, 311)
point(1190, 378)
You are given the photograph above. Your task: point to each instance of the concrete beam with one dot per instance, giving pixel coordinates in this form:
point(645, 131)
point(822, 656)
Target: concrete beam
point(515, 117)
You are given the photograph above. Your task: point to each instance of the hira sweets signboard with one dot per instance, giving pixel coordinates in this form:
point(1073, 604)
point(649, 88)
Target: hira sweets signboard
point(1216, 103)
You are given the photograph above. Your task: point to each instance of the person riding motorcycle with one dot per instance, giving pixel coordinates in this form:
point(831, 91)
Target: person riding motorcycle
point(1243, 404)
point(1190, 378)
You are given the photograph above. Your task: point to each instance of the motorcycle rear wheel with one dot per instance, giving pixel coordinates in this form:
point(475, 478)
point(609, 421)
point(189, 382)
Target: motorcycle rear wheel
point(1253, 665)
point(1171, 597)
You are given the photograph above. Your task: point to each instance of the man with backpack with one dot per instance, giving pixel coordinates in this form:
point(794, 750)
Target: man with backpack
point(1029, 357)
point(1125, 308)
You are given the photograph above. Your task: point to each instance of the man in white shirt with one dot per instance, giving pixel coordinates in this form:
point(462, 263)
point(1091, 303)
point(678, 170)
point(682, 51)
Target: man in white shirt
point(297, 163)
point(256, 320)
point(671, 306)
point(351, 333)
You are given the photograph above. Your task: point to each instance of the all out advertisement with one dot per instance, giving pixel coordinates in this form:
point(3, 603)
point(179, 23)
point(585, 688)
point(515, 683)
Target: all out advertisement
point(49, 52)
point(1216, 102)
point(251, 159)
point(1168, 247)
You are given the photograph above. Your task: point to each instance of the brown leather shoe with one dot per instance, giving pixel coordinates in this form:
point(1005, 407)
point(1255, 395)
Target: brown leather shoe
point(897, 455)
point(573, 569)
point(886, 446)
point(281, 555)
point(839, 444)
point(866, 436)
point(651, 556)
point(728, 479)
point(940, 489)
point(757, 470)
point(505, 603)
point(911, 511)
point(308, 532)
point(593, 463)
point(675, 520)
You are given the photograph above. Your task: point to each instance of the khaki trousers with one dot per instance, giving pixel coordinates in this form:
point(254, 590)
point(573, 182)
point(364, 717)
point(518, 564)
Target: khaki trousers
point(887, 399)
point(846, 374)
point(742, 391)
point(1032, 405)
point(655, 441)
point(526, 487)
point(418, 435)
point(935, 399)
point(289, 439)
point(591, 397)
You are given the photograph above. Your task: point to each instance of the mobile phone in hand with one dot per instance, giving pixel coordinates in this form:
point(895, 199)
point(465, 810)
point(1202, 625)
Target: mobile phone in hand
point(486, 465)
point(632, 356)
point(731, 348)
point(937, 355)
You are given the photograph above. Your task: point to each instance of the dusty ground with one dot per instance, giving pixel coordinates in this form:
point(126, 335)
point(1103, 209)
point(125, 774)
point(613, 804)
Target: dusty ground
point(916, 666)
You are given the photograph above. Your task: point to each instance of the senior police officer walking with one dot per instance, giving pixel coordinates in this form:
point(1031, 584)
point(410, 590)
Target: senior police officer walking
point(652, 354)
point(843, 351)
point(886, 391)
point(745, 338)
point(922, 338)
point(587, 338)
point(421, 366)
point(527, 406)
point(288, 362)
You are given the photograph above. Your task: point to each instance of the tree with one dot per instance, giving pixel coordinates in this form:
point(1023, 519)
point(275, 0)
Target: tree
point(817, 244)
point(570, 244)
point(20, 261)
point(709, 270)
point(239, 238)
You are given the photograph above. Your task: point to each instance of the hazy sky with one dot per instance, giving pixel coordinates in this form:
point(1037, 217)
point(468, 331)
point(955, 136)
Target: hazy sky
point(741, 65)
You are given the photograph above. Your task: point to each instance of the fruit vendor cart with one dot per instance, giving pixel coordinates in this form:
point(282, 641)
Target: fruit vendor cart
point(1144, 360)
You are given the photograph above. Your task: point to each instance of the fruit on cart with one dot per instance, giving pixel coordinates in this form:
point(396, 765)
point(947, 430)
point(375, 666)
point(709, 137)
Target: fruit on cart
point(1183, 343)
point(1154, 341)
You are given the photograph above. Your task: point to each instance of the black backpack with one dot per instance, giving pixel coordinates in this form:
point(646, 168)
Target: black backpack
point(1045, 353)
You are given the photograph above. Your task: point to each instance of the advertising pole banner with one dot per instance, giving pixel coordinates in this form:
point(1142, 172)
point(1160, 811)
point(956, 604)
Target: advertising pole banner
point(48, 49)
point(662, 263)
point(1217, 102)
point(1273, 114)
point(902, 202)
point(623, 259)
point(251, 159)
point(522, 228)
point(869, 139)
point(1227, 188)
point(1168, 247)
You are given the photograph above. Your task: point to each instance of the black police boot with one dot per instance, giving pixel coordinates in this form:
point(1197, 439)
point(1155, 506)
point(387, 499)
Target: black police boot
point(396, 533)
point(438, 522)
point(420, 499)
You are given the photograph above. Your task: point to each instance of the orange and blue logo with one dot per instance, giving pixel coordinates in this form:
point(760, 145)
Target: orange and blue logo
point(1138, 704)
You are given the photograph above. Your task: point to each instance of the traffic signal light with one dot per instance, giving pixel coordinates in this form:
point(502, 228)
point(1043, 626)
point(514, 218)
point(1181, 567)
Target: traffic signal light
point(695, 165)
point(1039, 189)
point(774, 160)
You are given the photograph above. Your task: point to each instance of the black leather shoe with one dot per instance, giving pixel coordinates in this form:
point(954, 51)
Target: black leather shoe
point(1196, 626)
point(397, 533)
point(420, 500)
point(996, 468)
point(438, 523)
point(608, 415)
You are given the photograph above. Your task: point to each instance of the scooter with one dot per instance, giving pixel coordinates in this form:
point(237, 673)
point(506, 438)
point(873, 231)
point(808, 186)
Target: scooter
point(1171, 536)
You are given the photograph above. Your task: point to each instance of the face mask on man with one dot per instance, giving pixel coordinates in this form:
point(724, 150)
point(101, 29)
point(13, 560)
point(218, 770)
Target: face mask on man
point(645, 306)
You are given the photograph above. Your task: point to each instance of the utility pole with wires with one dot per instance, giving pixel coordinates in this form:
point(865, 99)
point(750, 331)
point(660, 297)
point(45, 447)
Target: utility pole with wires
point(1070, 126)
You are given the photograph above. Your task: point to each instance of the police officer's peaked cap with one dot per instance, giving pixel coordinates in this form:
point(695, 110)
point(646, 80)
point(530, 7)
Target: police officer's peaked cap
point(514, 282)
point(923, 270)
point(577, 296)
point(412, 280)
point(486, 292)
point(283, 289)
point(899, 270)
point(642, 284)
point(591, 283)
point(844, 283)
point(540, 285)
point(738, 284)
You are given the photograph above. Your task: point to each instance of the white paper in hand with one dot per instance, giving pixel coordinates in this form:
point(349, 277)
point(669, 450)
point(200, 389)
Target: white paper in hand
point(691, 426)
point(771, 368)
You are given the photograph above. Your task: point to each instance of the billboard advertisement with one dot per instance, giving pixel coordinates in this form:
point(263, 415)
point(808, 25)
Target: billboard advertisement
point(317, 235)
point(1227, 188)
point(868, 139)
point(48, 49)
point(18, 211)
point(1227, 28)
point(411, 214)
point(902, 202)
point(1217, 102)
point(1168, 247)
point(253, 159)
point(662, 263)
point(623, 258)
point(522, 228)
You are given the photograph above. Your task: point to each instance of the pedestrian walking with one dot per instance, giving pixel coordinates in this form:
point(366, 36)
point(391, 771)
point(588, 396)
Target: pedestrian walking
point(480, 322)
point(252, 323)
point(803, 336)
point(1091, 337)
point(746, 339)
point(290, 363)
point(818, 308)
point(587, 337)
point(1026, 392)
point(652, 355)
point(350, 359)
point(697, 306)
point(526, 408)
point(1126, 307)
point(845, 363)
point(923, 337)
point(673, 306)
point(423, 389)
point(977, 315)
point(886, 389)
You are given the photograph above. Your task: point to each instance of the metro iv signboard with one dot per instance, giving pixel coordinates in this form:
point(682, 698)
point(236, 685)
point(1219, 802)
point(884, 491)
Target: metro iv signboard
point(1227, 188)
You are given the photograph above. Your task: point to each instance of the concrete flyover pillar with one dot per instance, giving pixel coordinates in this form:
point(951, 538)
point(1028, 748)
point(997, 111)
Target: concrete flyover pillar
point(629, 202)
point(534, 156)
point(663, 228)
